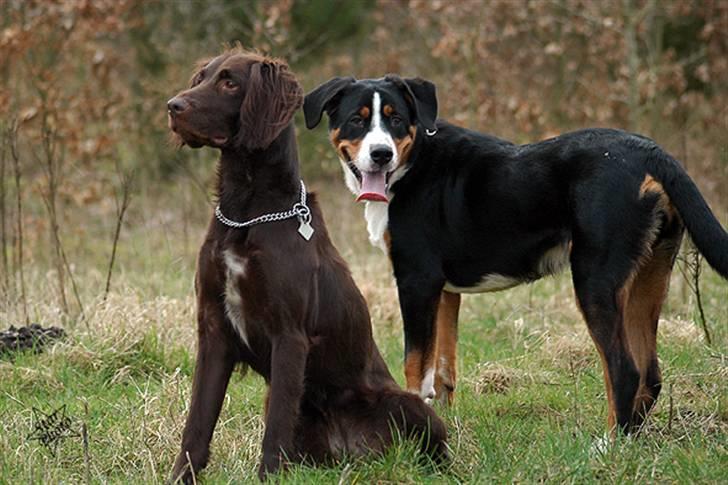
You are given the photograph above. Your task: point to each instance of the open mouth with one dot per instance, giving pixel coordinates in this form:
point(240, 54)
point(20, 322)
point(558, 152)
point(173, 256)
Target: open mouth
point(373, 185)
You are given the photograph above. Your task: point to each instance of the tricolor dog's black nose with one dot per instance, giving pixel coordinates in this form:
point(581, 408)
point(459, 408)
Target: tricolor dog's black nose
point(381, 154)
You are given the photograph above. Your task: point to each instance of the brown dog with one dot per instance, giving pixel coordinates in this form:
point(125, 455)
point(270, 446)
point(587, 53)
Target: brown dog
point(275, 295)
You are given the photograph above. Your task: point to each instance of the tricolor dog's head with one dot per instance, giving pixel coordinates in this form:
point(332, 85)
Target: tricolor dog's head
point(373, 124)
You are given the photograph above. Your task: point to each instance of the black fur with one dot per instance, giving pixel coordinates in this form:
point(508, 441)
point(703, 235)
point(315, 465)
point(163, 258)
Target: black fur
point(471, 205)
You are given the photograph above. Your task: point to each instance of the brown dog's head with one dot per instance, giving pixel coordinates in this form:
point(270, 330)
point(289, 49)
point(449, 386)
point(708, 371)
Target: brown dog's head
point(238, 99)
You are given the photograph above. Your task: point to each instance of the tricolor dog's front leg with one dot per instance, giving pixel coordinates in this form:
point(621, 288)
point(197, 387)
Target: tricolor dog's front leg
point(447, 341)
point(418, 300)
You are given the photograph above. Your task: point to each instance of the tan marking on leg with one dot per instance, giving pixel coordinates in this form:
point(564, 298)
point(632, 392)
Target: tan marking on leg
point(612, 409)
point(447, 338)
point(413, 371)
point(642, 311)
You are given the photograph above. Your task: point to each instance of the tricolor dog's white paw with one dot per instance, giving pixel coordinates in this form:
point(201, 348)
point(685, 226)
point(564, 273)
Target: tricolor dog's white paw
point(427, 388)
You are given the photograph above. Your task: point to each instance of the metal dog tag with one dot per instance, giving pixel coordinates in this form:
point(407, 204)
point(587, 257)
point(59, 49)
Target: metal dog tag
point(305, 229)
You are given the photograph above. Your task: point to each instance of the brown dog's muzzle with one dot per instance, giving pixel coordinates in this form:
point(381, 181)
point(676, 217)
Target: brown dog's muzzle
point(180, 114)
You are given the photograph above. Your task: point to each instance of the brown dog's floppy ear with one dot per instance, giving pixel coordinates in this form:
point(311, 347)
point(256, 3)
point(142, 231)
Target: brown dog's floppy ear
point(272, 96)
point(315, 102)
point(421, 95)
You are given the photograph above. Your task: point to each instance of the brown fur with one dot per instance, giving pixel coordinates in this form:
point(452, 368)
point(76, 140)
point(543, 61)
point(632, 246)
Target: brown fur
point(306, 325)
point(273, 95)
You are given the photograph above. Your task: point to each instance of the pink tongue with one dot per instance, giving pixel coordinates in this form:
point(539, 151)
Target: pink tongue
point(373, 187)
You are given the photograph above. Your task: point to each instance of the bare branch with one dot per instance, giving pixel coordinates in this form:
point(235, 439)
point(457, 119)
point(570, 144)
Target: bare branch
point(126, 183)
point(13, 136)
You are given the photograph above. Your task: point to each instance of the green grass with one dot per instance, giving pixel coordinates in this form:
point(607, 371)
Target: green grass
point(530, 401)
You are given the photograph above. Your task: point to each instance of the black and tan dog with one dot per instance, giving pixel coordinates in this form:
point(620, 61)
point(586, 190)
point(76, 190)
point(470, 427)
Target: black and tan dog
point(273, 292)
point(464, 212)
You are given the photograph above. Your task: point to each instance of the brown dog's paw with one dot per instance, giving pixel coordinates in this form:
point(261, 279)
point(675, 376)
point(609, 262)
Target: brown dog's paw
point(270, 464)
point(183, 476)
point(186, 467)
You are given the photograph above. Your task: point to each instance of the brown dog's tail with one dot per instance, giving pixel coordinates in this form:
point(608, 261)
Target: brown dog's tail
point(702, 225)
point(414, 419)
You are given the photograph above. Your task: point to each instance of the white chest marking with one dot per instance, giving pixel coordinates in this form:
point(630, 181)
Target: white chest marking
point(490, 282)
point(377, 217)
point(236, 268)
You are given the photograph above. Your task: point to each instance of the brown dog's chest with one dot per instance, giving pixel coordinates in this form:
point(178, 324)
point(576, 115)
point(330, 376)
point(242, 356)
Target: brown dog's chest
point(255, 299)
point(237, 270)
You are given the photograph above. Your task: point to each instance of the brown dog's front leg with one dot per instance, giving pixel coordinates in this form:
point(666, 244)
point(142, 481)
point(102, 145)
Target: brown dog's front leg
point(288, 366)
point(215, 363)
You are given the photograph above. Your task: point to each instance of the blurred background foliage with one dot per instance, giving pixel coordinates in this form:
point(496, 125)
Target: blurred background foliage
point(84, 83)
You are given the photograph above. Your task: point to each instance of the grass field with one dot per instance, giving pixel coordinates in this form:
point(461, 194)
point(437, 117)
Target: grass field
point(530, 401)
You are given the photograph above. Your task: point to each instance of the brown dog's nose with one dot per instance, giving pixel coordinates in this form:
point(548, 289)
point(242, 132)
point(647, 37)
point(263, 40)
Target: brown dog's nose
point(177, 105)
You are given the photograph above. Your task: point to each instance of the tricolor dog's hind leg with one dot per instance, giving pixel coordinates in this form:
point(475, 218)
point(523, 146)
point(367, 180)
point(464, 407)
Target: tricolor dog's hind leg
point(621, 268)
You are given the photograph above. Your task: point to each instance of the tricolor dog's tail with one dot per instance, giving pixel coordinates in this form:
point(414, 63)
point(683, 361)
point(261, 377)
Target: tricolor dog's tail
point(705, 230)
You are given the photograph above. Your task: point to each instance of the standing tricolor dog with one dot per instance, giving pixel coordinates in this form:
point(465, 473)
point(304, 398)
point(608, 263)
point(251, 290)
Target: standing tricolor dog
point(464, 212)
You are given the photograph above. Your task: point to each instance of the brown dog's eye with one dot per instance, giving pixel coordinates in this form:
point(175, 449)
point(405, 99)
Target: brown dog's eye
point(230, 84)
point(197, 79)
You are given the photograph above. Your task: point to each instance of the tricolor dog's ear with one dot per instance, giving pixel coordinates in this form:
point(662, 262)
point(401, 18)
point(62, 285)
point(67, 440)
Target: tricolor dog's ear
point(422, 96)
point(318, 100)
point(272, 97)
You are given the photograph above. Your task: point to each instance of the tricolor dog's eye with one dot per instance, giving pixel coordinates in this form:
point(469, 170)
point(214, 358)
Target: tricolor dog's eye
point(357, 121)
point(395, 120)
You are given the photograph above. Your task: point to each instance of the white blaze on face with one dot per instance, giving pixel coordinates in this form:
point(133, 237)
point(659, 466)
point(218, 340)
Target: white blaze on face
point(374, 176)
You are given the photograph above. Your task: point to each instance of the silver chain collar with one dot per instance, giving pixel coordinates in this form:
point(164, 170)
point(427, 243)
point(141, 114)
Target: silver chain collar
point(299, 209)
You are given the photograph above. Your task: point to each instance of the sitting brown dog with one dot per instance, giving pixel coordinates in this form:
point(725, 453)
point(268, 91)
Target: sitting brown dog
point(273, 292)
